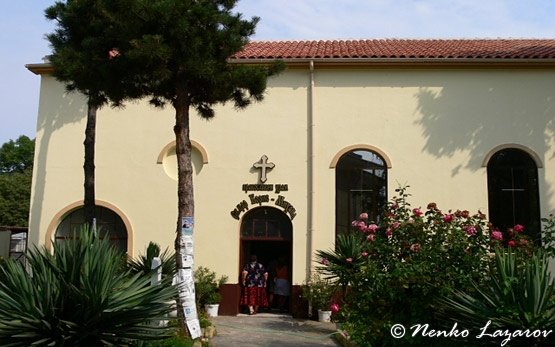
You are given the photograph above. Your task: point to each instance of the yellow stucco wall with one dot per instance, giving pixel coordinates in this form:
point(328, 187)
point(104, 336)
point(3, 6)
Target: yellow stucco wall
point(436, 127)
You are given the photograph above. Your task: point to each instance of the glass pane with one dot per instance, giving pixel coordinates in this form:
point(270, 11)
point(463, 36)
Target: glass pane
point(266, 222)
point(259, 228)
point(361, 186)
point(273, 228)
point(108, 222)
point(513, 191)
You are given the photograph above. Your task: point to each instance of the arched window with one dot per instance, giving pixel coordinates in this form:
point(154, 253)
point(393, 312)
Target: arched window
point(513, 191)
point(108, 223)
point(360, 186)
point(266, 223)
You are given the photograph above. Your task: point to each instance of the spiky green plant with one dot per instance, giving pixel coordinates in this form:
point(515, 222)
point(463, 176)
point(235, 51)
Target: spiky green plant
point(79, 296)
point(341, 263)
point(143, 263)
point(519, 295)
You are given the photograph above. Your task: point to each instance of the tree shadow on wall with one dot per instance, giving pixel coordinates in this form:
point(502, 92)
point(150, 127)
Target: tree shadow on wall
point(478, 111)
point(57, 109)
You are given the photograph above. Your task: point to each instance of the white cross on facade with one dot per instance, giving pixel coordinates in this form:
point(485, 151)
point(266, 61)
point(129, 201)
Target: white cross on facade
point(263, 165)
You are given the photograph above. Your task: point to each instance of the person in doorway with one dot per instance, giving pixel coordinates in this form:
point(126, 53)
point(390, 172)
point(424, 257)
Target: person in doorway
point(271, 283)
point(282, 288)
point(254, 279)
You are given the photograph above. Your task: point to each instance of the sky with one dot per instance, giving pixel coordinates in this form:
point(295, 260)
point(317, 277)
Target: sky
point(23, 29)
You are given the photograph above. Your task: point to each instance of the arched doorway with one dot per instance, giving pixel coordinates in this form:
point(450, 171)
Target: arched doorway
point(267, 232)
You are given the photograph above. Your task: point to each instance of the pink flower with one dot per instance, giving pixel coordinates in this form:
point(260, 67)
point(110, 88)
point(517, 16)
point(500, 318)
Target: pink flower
point(363, 216)
point(372, 228)
point(518, 228)
point(417, 212)
point(361, 226)
point(364, 254)
point(371, 237)
point(354, 223)
point(113, 53)
point(389, 232)
point(415, 247)
point(511, 244)
point(324, 261)
point(448, 218)
point(334, 308)
point(395, 225)
point(470, 230)
point(349, 260)
point(497, 235)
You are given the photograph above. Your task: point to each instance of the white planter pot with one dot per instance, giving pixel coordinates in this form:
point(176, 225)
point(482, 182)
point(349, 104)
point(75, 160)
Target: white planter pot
point(324, 316)
point(212, 310)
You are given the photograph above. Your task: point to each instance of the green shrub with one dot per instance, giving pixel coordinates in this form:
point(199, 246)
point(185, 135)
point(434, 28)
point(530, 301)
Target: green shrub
point(207, 286)
point(518, 295)
point(399, 268)
point(79, 296)
point(548, 235)
point(319, 292)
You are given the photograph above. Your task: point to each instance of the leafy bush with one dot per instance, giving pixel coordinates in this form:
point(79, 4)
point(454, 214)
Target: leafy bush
point(398, 269)
point(319, 292)
point(207, 287)
point(79, 296)
point(548, 235)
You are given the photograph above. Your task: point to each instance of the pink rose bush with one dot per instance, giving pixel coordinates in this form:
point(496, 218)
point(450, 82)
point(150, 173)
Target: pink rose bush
point(497, 235)
point(408, 255)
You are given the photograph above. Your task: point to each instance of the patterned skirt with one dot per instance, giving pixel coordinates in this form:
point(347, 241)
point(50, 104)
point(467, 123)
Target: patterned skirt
point(254, 296)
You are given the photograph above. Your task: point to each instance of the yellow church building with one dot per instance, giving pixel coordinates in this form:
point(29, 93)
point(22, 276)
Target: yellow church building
point(468, 124)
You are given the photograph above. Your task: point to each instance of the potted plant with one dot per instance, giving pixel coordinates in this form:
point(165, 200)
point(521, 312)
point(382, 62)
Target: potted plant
point(319, 293)
point(207, 290)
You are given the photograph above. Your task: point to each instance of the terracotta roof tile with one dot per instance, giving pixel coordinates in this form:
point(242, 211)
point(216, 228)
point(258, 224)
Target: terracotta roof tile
point(401, 49)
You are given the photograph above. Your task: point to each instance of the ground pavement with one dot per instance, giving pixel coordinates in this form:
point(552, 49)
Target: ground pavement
point(271, 330)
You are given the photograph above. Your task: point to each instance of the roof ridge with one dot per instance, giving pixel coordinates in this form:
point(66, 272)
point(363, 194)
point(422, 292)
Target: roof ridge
point(430, 48)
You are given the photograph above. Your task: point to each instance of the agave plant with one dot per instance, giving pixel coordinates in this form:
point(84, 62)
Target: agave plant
point(143, 264)
point(519, 295)
point(344, 261)
point(79, 296)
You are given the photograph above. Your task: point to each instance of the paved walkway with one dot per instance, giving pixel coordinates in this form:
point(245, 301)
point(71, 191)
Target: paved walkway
point(271, 330)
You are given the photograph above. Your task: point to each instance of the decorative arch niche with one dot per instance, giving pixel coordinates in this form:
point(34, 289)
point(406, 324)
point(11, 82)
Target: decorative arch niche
point(167, 158)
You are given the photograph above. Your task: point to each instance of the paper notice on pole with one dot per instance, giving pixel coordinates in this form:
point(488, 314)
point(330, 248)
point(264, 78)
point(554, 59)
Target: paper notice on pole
point(190, 310)
point(194, 328)
point(187, 260)
point(185, 281)
point(187, 225)
point(186, 244)
point(185, 276)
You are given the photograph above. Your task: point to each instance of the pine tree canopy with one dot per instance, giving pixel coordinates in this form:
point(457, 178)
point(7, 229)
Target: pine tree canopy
point(85, 50)
point(116, 49)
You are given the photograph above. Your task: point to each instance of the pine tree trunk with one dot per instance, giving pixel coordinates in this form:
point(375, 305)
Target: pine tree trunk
point(88, 166)
point(185, 196)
